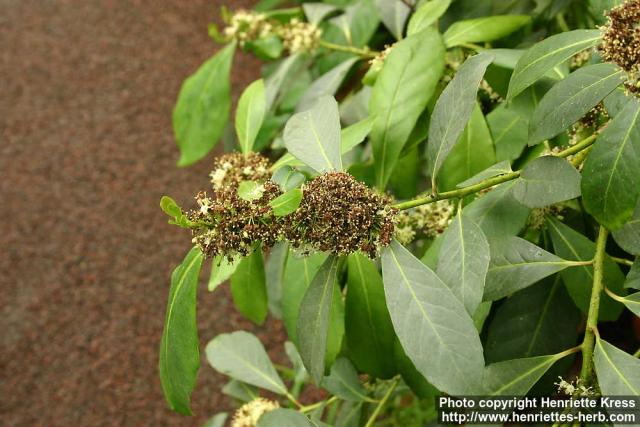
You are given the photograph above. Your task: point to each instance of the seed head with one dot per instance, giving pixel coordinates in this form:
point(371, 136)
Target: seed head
point(341, 215)
point(249, 413)
point(229, 170)
point(621, 40)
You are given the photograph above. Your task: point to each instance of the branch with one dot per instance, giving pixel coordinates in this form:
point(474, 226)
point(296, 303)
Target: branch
point(586, 373)
point(372, 418)
point(490, 182)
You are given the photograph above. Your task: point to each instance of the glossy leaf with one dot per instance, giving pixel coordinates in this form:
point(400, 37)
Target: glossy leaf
point(618, 372)
point(574, 246)
point(242, 356)
point(611, 183)
point(484, 29)
point(179, 353)
point(516, 264)
point(283, 418)
point(313, 318)
point(250, 114)
point(327, 85)
point(571, 99)
point(453, 110)
point(221, 270)
point(464, 260)
point(313, 136)
point(545, 181)
point(432, 324)
point(368, 326)
point(427, 14)
point(405, 84)
point(202, 109)
point(548, 53)
point(286, 203)
point(344, 382)
point(536, 321)
point(248, 288)
point(628, 237)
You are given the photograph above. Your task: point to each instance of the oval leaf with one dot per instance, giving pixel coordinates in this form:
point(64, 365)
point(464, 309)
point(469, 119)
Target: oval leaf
point(286, 203)
point(313, 319)
point(432, 324)
point(241, 356)
point(248, 288)
point(404, 86)
point(618, 372)
point(313, 136)
point(202, 109)
point(611, 183)
point(327, 84)
point(545, 181)
point(453, 110)
point(250, 113)
point(571, 99)
point(628, 237)
point(283, 418)
point(344, 382)
point(548, 53)
point(428, 13)
point(394, 14)
point(179, 354)
point(484, 29)
point(221, 270)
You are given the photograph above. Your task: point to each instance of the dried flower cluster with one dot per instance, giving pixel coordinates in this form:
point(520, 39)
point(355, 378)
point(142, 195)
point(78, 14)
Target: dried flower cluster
point(428, 220)
point(621, 40)
point(244, 26)
point(231, 169)
point(341, 215)
point(538, 217)
point(298, 36)
point(249, 413)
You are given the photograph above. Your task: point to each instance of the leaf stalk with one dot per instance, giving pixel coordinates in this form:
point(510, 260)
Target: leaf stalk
point(363, 52)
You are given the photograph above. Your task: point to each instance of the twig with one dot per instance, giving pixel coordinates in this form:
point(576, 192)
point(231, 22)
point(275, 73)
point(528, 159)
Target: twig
point(376, 412)
point(364, 52)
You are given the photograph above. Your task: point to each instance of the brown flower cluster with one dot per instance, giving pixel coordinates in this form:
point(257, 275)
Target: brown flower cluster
point(621, 40)
point(229, 170)
point(341, 215)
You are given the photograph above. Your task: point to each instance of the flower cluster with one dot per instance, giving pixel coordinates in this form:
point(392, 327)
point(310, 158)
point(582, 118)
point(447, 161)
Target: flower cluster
point(244, 26)
point(298, 36)
point(428, 220)
point(249, 413)
point(621, 40)
point(376, 63)
point(341, 215)
point(573, 388)
point(231, 169)
point(538, 217)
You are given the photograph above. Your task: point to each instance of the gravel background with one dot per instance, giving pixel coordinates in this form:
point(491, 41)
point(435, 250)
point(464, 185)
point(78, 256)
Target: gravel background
point(85, 252)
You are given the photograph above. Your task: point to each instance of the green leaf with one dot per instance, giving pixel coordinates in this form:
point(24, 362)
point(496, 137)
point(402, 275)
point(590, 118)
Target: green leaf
point(547, 54)
point(298, 273)
point(405, 84)
point(509, 130)
point(241, 356)
point(171, 208)
point(427, 14)
point(240, 391)
point(179, 354)
point(286, 70)
point(516, 377)
point(288, 178)
point(250, 190)
point(628, 237)
point(618, 372)
point(453, 110)
point(571, 99)
point(464, 260)
point(250, 114)
point(572, 245)
point(545, 181)
point(498, 169)
point(410, 375)
point(344, 382)
point(394, 14)
point(203, 105)
point(217, 420)
point(316, 12)
point(516, 264)
point(286, 203)
point(472, 153)
point(313, 136)
point(633, 277)
point(484, 29)
point(248, 288)
point(368, 326)
point(432, 324)
point(536, 321)
point(611, 184)
point(221, 270)
point(283, 418)
point(313, 318)
point(327, 85)
point(498, 213)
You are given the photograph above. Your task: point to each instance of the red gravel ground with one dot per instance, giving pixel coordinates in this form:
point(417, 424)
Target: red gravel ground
point(85, 252)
